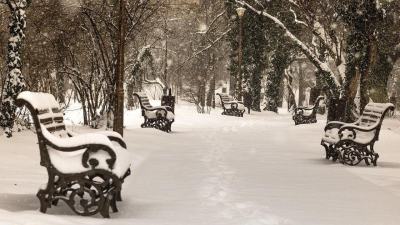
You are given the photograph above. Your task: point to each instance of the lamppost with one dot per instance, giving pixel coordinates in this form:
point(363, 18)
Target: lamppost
point(240, 12)
point(119, 106)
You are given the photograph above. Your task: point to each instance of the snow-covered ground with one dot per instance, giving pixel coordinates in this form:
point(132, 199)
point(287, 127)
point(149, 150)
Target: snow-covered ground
point(214, 169)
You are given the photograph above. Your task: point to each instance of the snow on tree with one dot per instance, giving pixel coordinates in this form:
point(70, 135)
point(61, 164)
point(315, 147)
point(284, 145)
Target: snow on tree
point(354, 43)
point(14, 81)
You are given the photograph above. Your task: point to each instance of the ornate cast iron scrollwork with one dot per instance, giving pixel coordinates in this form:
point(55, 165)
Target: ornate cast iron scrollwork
point(86, 193)
point(300, 118)
point(352, 153)
point(354, 143)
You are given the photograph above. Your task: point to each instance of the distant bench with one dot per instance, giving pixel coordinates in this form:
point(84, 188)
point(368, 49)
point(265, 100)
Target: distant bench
point(304, 115)
point(231, 108)
point(85, 171)
point(353, 142)
point(159, 117)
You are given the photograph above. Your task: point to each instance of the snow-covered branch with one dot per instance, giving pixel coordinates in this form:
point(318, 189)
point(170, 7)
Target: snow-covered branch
point(215, 19)
point(210, 45)
point(294, 3)
point(295, 18)
point(322, 66)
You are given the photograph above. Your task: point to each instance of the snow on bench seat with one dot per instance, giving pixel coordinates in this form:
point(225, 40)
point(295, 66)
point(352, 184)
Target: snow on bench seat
point(305, 115)
point(239, 104)
point(231, 108)
point(71, 162)
point(353, 142)
point(76, 163)
point(159, 117)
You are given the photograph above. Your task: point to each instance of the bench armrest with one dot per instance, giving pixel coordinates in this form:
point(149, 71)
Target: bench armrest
point(303, 107)
point(112, 136)
point(355, 127)
point(91, 142)
point(168, 108)
point(334, 124)
point(162, 108)
point(350, 132)
point(300, 110)
point(233, 102)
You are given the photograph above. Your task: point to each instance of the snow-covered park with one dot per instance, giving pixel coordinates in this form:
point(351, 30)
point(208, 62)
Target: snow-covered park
point(215, 169)
point(149, 102)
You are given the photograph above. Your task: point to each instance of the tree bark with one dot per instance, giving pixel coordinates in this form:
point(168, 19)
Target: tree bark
point(119, 112)
point(302, 87)
point(14, 83)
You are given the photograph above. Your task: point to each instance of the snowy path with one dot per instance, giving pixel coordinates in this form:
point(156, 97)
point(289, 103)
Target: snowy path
point(214, 169)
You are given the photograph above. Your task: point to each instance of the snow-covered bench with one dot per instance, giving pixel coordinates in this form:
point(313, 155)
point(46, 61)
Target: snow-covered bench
point(304, 115)
point(231, 108)
point(86, 171)
point(159, 117)
point(353, 142)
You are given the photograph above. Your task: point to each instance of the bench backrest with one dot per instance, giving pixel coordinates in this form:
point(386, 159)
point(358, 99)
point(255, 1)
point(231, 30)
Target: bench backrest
point(143, 100)
point(46, 114)
point(374, 113)
point(317, 102)
point(224, 97)
point(46, 111)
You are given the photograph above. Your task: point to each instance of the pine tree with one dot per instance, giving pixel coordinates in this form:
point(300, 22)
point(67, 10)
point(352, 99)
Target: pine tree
point(14, 81)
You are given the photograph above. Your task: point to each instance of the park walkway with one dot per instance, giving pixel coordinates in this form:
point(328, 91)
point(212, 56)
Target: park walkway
point(214, 169)
point(261, 169)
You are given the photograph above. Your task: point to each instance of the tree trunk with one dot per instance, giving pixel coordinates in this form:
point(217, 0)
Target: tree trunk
point(14, 81)
point(119, 109)
point(291, 96)
point(84, 109)
point(232, 85)
point(379, 77)
point(255, 90)
point(365, 76)
point(131, 102)
point(302, 96)
point(202, 92)
point(281, 91)
point(211, 91)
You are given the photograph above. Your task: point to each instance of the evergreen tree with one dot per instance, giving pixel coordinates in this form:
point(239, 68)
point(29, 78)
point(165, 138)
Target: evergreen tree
point(14, 81)
point(280, 60)
point(253, 52)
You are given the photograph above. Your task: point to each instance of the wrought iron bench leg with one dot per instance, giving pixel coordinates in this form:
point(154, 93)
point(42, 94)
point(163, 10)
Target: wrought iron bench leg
point(374, 156)
point(105, 209)
point(118, 196)
point(113, 203)
point(45, 196)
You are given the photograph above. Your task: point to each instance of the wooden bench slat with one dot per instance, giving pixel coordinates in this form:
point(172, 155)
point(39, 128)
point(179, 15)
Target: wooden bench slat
point(368, 117)
point(56, 128)
point(46, 121)
point(58, 119)
point(375, 108)
point(42, 111)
